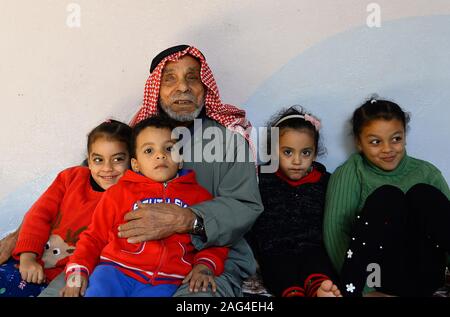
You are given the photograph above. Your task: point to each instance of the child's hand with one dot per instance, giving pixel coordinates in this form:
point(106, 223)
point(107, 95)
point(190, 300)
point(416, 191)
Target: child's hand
point(200, 277)
point(29, 269)
point(75, 286)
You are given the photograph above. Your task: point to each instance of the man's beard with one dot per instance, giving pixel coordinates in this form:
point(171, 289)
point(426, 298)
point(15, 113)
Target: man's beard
point(181, 117)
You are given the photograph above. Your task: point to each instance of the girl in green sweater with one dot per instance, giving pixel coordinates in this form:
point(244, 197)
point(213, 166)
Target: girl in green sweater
point(387, 215)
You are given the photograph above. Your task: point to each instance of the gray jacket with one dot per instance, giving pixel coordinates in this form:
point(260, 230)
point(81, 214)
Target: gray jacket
point(230, 176)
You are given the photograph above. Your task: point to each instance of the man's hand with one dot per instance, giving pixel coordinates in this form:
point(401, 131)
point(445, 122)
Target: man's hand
point(30, 270)
point(199, 279)
point(7, 245)
point(155, 221)
point(76, 285)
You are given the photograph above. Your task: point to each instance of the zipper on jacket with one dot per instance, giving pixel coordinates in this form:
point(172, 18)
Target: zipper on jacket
point(165, 184)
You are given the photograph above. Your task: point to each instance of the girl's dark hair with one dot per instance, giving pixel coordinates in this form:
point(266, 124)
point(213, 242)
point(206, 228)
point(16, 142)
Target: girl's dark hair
point(159, 121)
point(112, 130)
point(373, 109)
point(294, 123)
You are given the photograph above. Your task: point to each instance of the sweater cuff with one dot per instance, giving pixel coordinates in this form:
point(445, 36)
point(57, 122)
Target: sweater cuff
point(209, 263)
point(77, 269)
point(28, 245)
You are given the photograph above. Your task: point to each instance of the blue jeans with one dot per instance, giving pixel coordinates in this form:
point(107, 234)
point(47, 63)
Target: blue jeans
point(108, 281)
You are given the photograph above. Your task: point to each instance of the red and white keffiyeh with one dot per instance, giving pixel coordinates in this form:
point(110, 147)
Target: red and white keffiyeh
point(227, 115)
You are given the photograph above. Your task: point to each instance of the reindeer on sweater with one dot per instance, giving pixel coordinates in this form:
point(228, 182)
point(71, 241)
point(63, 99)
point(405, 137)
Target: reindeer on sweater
point(58, 248)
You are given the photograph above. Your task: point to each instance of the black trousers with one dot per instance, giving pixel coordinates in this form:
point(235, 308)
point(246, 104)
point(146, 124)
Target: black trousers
point(399, 243)
point(281, 272)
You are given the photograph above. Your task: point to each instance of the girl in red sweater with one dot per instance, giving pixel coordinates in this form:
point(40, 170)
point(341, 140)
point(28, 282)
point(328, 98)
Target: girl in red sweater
point(53, 224)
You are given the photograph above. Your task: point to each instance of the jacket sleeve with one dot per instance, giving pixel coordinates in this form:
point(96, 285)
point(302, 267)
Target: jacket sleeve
point(236, 204)
point(35, 230)
point(213, 257)
point(95, 237)
point(341, 208)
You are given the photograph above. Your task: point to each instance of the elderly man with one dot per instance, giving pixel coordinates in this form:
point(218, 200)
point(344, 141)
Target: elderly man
point(182, 87)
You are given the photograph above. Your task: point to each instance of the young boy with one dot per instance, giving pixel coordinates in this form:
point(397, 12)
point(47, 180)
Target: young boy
point(151, 268)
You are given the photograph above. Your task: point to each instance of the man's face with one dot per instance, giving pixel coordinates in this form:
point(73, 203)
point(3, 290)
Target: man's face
point(182, 93)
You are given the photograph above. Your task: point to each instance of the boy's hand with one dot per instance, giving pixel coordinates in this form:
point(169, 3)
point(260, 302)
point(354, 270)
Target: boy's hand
point(30, 270)
point(199, 279)
point(75, 286)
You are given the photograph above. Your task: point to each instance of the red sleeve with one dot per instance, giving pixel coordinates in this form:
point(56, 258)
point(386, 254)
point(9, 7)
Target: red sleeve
point(213, 257)
point(95, 237)
point(37, 222)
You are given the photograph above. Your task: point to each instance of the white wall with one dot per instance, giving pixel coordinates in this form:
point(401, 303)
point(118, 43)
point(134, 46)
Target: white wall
point(57, 82)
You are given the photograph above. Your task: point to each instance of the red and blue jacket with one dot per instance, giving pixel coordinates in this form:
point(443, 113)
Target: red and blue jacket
point(155, 262)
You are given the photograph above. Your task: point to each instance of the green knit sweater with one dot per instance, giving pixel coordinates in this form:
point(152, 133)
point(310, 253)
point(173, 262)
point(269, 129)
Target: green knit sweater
point(353, 182)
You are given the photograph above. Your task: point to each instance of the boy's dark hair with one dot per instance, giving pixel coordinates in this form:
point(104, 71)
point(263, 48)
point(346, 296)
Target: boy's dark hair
point(373, 109)
point(294, 123)
point(112, 130)
point(159, 122)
